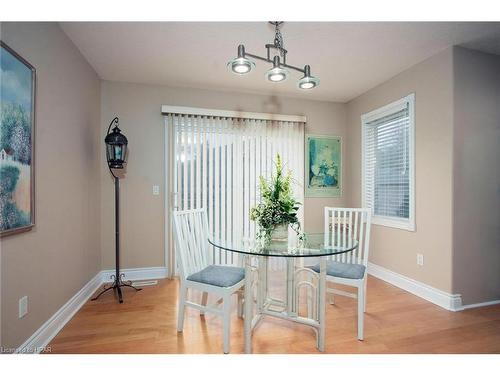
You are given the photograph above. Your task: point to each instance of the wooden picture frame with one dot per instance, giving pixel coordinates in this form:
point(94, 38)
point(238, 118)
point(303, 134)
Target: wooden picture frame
point(17, 143)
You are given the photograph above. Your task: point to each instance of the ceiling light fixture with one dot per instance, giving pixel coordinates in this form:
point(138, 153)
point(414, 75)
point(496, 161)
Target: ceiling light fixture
point(276, 73)
point(242, 65)
point(308, 81)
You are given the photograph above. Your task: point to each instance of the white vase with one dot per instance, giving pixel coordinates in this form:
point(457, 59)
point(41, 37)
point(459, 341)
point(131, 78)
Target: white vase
point(280, 233)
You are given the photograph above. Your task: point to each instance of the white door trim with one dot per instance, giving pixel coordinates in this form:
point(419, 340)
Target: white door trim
point(169, 155)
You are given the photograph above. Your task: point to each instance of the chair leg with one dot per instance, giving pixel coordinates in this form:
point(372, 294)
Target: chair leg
point(240, 304)
point(365, 295)
point(361, 307)
point(204, 298)
point(226, 317)
point(182, 306)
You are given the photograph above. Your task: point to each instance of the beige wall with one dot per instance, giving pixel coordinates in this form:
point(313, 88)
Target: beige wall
point(457, 126)
point(138, 107)
point(476, 229)
point(395, 249)
point(61, 254)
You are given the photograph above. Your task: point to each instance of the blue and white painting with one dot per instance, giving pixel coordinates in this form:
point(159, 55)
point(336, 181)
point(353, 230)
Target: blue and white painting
point(323, 166)
point(16, 142)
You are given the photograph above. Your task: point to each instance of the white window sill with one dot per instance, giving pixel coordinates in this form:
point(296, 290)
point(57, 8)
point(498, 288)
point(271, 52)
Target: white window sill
point(408, 225)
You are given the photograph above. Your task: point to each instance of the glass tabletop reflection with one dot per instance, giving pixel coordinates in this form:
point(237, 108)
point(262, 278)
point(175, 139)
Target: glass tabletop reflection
point(312, 245)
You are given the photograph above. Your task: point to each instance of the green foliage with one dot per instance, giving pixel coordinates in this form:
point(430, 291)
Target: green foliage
point(15, 131)
point(278, 206)
point(10, 215)
point(9, 175)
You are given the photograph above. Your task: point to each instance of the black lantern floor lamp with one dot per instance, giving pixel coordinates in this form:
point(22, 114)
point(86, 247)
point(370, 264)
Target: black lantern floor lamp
point(116, 152)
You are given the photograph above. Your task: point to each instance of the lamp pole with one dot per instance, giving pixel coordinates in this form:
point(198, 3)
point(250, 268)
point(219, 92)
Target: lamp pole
point(116, 149)
point(117, 236)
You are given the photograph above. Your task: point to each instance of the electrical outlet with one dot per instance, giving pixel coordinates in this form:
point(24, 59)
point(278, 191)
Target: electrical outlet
point(23, 306)
point(156, 190)
point(420, 259)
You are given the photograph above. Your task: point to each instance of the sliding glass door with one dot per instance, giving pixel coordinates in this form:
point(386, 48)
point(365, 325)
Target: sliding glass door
point(216, 163)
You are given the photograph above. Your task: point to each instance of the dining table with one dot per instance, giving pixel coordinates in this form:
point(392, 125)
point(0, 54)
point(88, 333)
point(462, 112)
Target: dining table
point(258, 301)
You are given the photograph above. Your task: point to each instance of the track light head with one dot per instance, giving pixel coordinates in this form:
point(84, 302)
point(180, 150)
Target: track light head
point(308, 81)
point(241, 65)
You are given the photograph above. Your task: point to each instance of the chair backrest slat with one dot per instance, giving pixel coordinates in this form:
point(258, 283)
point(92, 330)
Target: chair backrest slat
point(349, 255)
point(356, 252)
point(344, 232)
point(337, 230)
point(345, 225)
point(191, 240)
point(361, 252)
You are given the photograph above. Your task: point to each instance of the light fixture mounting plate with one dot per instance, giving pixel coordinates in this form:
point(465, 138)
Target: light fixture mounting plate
point(277, 23)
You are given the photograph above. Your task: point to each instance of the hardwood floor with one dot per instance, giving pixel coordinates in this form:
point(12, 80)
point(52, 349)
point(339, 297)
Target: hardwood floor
point(395, 322)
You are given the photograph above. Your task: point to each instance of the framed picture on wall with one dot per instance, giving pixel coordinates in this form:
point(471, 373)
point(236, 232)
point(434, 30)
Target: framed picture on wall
point(323, 166)
point(17, 129)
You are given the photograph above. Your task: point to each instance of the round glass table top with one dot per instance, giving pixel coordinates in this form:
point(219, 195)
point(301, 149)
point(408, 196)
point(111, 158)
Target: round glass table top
point(312, 245)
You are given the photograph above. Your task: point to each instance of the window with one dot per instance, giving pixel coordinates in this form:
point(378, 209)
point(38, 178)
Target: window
point(388, 164)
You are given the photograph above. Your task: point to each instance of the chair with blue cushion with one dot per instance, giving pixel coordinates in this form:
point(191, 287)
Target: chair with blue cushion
point(343, 226)
point(198, 271)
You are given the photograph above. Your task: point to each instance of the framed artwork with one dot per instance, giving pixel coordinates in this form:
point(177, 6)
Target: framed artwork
point(323, 166)
point(17, 130)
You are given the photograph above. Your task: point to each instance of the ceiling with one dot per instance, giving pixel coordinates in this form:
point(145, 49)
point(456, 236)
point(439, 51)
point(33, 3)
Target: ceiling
point(348, 57)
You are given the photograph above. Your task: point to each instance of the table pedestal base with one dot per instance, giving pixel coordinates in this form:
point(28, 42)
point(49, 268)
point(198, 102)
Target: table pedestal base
point(262, 304)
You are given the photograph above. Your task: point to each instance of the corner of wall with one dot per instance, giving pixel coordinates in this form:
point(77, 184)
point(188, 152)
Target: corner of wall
point(476, 135)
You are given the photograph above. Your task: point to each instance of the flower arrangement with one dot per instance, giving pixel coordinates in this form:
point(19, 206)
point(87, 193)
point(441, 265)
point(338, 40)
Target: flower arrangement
point(278, 207)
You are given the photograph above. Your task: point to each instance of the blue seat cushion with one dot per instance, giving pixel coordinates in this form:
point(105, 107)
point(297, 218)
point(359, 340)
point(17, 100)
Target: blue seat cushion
point(223, 276)
point(344, 270)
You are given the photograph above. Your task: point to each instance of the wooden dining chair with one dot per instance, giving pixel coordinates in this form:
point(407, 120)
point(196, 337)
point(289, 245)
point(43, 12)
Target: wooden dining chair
point(343, 226)
point(198, 271)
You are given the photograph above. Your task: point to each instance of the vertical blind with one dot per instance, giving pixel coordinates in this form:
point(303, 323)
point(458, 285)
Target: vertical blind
point(217, 162)
point(387, 164)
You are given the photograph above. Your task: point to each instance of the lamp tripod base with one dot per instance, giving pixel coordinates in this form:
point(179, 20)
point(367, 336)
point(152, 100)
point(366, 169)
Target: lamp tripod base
point(116, 287)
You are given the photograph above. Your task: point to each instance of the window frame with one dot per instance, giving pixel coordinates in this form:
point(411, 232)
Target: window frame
point(389, 221)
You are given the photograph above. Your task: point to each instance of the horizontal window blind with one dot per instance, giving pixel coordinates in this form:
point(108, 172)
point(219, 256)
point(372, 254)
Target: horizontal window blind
point(217, 164)
point(388, 163)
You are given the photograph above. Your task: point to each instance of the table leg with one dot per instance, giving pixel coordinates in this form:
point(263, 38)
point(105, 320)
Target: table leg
point(291, 309)
point(265, 280)
point(262, 291)
point(248, 305)
point(321, 312)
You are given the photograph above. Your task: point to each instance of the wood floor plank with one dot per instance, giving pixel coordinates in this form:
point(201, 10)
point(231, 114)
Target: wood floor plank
point(395, 322)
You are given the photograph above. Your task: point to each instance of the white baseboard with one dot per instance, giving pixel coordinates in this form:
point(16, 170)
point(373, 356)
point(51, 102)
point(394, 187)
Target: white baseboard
point(452, 302)
point(133, 274)
point(43, 335)
point(49, 329)
point(481, 304)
